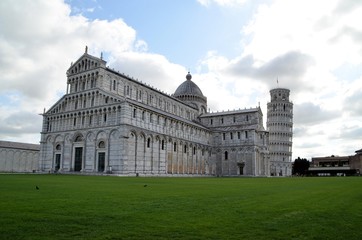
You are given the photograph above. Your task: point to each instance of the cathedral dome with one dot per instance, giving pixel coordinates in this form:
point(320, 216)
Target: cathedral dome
point(188, 88)
point(189, 93)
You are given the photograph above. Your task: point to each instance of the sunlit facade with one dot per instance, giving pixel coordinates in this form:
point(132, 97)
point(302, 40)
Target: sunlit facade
point(280, 127)
point(108, 122)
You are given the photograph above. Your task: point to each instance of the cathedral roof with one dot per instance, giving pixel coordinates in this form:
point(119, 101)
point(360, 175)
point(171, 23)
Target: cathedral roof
point(358, 152)
point(18, 145)
point(188, 88)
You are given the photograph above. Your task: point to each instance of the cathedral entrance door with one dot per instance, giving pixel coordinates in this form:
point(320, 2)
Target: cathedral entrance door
point(57, 162)
point(241, 168)
point(78, 159)
point(101, 161)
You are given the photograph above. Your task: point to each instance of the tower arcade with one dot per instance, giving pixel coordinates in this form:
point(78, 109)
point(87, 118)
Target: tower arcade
point(280, 127)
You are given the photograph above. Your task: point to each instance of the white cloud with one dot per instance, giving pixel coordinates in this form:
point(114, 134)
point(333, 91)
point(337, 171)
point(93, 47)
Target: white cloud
point(223, 3)
point(291, 65)
point(153, 69)
point(352, 102)
point(313, 47)
point(39, 40)
point(311, 114)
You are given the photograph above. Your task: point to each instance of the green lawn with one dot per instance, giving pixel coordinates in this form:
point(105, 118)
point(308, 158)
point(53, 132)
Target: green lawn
point(95, 207)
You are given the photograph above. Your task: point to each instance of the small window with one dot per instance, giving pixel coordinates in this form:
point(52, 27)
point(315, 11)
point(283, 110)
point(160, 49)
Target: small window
point(223, 136)
point(231, 136)
point(238, 135)
point(194, 150)
point(148, 142)
point(246, 134)
point(101, 144)
point(134, 112)
point(163, 145)
point(226, 155)
point(58, 147)
point(174, 147)
point(78, 139)
point(222, 120)
point(185, 149)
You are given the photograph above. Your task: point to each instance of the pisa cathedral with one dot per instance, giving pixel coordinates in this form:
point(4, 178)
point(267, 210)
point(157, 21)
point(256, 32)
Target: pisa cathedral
point(108, 122)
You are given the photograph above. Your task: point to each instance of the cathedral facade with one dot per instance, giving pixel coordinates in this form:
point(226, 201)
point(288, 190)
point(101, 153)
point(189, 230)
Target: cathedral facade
point(108, 122)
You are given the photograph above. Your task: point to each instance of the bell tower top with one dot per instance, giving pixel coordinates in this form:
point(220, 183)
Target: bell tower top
point(279, 94)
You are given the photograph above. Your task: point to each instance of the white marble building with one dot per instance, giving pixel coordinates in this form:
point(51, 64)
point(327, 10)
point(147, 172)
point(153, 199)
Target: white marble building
point(280, 127)
point(19, 157)
point(110, 122)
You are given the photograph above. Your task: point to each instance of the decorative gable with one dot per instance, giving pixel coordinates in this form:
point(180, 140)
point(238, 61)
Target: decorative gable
point(85, 63)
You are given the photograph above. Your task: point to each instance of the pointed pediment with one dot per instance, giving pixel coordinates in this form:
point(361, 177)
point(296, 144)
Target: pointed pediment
point(57, 107)
point(85, 63)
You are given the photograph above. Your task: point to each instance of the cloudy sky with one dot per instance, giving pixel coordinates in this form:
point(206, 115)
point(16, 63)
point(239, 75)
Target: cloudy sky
point(235, 49)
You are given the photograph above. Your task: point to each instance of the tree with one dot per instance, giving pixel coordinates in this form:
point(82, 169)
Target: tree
point(300, 166)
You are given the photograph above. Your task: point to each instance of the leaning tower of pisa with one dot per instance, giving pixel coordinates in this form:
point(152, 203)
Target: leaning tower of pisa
point(280, 127)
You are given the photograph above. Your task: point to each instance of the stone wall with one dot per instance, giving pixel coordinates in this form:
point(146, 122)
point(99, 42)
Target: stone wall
point(19, 157)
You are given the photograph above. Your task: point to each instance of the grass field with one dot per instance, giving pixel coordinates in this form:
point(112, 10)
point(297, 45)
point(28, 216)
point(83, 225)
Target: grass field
point(95, 207)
